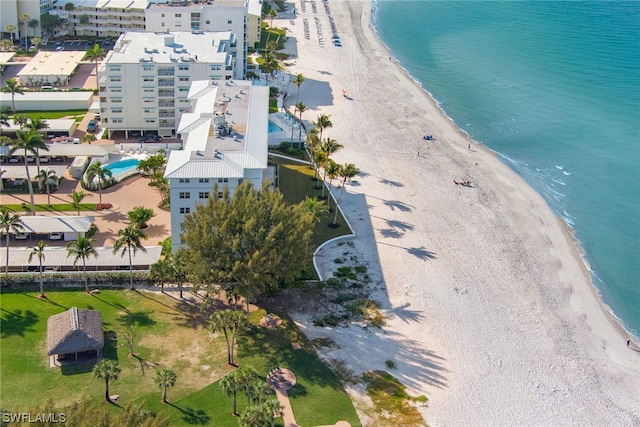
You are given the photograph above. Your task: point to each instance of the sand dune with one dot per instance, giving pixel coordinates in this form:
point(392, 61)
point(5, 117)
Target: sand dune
point(490, 310)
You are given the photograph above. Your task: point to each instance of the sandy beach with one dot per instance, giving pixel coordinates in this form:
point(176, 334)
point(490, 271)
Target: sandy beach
point(490, 311)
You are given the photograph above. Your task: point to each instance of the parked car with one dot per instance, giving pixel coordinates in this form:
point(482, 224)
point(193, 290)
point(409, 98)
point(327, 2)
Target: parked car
point(22, 236)
point(55, 236)
point(150, 138)
point(65, 140)
point(92, 126)
point(96, 116)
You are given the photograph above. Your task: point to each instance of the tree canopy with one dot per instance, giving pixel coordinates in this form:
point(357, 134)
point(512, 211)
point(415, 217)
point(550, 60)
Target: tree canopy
point(250, 243)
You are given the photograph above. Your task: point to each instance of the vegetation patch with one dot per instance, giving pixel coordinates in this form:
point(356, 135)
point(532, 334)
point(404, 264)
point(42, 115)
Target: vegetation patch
point(393, 406)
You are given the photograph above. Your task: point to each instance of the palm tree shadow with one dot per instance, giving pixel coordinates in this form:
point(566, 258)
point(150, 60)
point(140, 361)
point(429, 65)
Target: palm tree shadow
point(408, 315)
point(421, 253)
point(192, 416)
point(17, 323)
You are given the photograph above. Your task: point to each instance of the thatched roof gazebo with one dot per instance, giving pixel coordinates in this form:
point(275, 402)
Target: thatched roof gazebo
point(75, 332)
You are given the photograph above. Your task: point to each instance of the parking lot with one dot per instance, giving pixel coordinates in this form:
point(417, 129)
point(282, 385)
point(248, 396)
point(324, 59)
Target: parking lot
point(106, 44)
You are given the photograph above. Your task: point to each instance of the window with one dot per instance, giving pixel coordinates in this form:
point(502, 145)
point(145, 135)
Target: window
point(203, 195)
point(183, 79)
point(115, 79)
point(151, 121)
point(183, 180)
point(116, 120)
point(114, 69)
point(219, 194)
point(185, 210)
point(229, 22)
point(203, 180)
point(116, 90)
point(178, 15)
point(147, 68)
point(207, 22)
point(162, 15)
point(183, 89)
point(223, 179)
point(215, 67)
point(185, 195)
point(148, 100)
point(116, 110)
point(183, 68)
point(148, 79)
point(148, 90)
point(116, 100)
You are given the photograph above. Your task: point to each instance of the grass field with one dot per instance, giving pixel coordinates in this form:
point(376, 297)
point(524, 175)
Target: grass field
point(169, 333)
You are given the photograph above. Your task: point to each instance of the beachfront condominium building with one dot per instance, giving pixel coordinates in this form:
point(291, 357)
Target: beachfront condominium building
point(11, 12)
point(211, 15)
point(100, 18)
point(225, 140)
point(144, 81)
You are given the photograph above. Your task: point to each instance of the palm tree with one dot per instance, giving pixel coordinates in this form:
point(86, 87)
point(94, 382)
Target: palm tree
point(33, 23)
point(332, 169)
point(4, 117)
point(140, 216)
point(108, 370)
point(76, 199)
point(253, 417)
point(272, 15)
point(9, 222)
point(313, 140)
point(328, 147)
point(319, 158)
point(228, 321)
point(81, 249)
point(323, 122)
point(269, 64)
point(246, 376)
point(95, 170)
point(298, 80)
point(165, 378)
point(301, 108)
point(272, 409)
point(24, 18)
point(94, 54)
point(130, 240)
point(37, 124)
point(6, 45)
point(179, 268)
point(161, 272)
point(231, 384)
point(10, 28)
point(89, 138)
point(347, 172)
point(13, 87)
point(38, 251)
point(30, 141)
point(45, 176)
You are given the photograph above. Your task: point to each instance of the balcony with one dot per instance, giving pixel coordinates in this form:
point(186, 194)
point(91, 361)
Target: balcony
point(166, 72)
point(166, 104)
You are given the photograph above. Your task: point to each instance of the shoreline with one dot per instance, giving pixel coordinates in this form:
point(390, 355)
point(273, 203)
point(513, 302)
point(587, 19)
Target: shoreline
point(568, 229)
point(486, 298)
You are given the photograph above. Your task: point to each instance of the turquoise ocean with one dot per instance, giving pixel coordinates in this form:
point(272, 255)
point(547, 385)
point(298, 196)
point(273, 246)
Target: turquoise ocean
point(553, 87)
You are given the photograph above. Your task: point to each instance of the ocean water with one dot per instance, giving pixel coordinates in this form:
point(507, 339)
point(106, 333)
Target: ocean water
point(553, 87)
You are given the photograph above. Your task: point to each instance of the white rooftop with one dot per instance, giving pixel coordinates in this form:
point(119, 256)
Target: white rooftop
point(113, 4)
point(55, 224)
point(208, 47)
point(52, 63)
point(57, 256)
point(225, 134)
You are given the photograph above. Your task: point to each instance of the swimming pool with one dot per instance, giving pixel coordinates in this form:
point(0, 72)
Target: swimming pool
point(122, 166)
point(274, 127)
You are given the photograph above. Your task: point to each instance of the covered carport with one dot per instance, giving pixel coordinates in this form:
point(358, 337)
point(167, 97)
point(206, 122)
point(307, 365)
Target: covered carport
point(56, 257)
point(69, 226)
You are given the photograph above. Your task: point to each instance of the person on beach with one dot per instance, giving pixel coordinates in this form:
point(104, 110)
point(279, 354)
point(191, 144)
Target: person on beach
point(469, 146)
point(628, 342)
point(418, 153)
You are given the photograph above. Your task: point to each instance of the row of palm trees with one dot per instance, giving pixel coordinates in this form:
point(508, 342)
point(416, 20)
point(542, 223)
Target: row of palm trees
point(109, 370)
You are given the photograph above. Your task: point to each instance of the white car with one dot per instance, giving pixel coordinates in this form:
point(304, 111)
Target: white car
point(55, 236)
point(59, 48)
point(22, 236)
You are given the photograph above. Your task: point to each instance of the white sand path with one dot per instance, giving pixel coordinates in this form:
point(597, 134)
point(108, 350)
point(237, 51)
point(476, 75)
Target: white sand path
point(491, 313)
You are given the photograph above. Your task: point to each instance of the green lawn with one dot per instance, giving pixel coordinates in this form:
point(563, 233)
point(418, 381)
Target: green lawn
point(53, 208)
point(52, 114)
point(296, 182)
point(168, 333)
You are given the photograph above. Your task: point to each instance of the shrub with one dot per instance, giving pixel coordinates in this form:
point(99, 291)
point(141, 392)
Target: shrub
point(390, 364)
point(339, 260)
point(102, 206)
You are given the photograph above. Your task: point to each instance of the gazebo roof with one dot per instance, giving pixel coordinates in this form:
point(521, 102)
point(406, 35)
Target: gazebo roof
point(74, 331)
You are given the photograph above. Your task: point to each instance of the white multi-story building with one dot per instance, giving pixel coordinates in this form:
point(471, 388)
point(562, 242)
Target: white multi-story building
point(10, 11)
point(101, 18)
point(211, 15)
point(144, 81)
point(225, 142)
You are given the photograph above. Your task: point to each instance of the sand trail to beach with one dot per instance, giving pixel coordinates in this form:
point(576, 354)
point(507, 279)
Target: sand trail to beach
point(490, 311)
